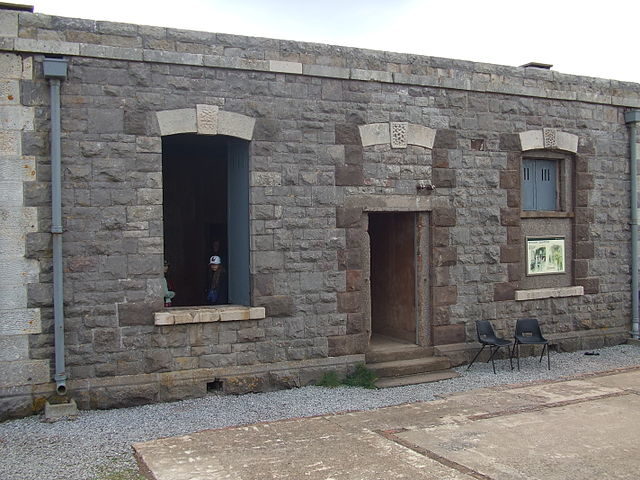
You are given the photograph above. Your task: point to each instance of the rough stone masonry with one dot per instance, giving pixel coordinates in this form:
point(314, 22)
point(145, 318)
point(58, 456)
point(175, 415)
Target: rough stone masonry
point(335, 135)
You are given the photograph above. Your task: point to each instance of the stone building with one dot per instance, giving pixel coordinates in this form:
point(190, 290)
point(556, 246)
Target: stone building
point(354, 194)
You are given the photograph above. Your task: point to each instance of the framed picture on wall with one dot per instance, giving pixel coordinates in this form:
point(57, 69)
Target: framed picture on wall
point(545, 255)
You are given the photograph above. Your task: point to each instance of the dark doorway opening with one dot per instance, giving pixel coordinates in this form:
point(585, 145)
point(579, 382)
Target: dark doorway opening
point(194, 176)
point(393, 275)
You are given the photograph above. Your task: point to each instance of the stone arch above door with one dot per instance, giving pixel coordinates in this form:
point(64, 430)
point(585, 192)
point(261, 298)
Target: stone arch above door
point(397, 134)
point(548, 139)
point(205, 120)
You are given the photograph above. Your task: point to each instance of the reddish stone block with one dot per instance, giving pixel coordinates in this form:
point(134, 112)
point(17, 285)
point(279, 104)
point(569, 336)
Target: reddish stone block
point(353, 237)
point(582, 198)
point(354, 280)
point(584, 215)
point(445, 295)
point(514, 198)
point(440, 276)
point(355, 323)
point(584, 181)
point(440, 236)
point(478, 144)
point(509, 217)
point(354, 258)
point(445, 256)
point(581, 268)
point(441, 316)
point(444, 177)
point(591, 285)
point(510, 253)
point(440, 158)
point(509, 179)
point(583, 233)
point(514, 235)
point(341, 253)
point(348, 217)
point(446, 334)
point(584, 250)
point(446, 139)
point(349, 302)
point(138, 313)
point(510, 142)
point(347, 134)
point(353, 155)
point(349, 175)
point(503, 291)
point(443, 217)
point(514, 160)
point(342, 345)
point(515, 272)
point(277, 305)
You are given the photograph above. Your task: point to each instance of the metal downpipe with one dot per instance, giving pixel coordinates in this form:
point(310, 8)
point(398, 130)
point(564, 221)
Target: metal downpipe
point(632, 118)
point(55, 70)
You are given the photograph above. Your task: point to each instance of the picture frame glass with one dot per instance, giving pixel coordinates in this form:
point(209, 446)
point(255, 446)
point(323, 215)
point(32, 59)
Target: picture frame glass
point(545, 255)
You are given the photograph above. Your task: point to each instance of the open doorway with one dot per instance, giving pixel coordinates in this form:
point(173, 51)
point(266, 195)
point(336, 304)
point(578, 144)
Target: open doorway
point(205, 183)
point(393, 275)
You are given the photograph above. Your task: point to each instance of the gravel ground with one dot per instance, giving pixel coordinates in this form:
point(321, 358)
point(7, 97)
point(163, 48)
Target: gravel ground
point(97, 445)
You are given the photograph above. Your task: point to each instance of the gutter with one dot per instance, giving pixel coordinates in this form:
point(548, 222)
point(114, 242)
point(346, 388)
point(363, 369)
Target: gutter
point(55, 70)
point(632, 118)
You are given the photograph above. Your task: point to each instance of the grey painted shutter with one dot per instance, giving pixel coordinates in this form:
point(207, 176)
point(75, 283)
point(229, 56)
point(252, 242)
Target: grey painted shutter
point(528, 185)
point(238, 222)
point(546, 184)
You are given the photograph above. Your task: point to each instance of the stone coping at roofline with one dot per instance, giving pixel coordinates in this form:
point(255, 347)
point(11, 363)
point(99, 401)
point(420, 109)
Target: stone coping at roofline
point(222, 313)
point(300, 58)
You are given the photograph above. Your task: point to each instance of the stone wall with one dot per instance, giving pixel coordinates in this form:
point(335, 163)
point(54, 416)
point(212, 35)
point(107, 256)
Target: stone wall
point(338, 133)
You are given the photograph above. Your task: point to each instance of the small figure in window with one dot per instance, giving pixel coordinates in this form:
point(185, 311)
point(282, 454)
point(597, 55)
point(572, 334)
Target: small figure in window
point(216, 282)
point(216, 247)
point(167, 286)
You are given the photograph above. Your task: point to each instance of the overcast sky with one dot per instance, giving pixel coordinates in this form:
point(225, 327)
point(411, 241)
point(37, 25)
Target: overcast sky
point(582, 37)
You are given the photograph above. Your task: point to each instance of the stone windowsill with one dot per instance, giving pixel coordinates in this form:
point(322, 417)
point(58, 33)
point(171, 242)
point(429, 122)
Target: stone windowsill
point(545, 214)
point(539, 293)
point(223, 313)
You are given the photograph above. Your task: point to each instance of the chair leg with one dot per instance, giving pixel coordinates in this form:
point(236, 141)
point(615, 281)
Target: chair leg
point(510, 358)
point(477, 355)
point(518, 358)
point(548, 359)
point(493, 352)
point(544, 346)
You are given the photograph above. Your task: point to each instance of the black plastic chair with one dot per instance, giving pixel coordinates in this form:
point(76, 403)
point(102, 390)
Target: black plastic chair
point(528, 333)
point(486, 336)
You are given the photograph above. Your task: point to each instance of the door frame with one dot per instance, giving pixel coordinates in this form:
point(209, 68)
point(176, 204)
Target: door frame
point(422, 255)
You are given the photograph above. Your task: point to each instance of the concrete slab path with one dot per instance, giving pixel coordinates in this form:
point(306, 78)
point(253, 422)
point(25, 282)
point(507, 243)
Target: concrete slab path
point(585, 427)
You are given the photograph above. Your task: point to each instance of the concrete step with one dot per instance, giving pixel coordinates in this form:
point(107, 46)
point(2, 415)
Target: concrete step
point(399, 368)
point(389, 382)
point(397, 352)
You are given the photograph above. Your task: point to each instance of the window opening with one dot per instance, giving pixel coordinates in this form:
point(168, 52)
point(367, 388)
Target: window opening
point(205, 183)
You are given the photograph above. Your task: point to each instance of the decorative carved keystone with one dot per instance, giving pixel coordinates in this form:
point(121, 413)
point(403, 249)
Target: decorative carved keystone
point(398, 132)
point(207, 119)
point(550, 138)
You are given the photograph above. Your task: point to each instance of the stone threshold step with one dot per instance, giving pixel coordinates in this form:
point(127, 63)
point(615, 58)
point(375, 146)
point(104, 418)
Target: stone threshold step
point(398, 368)
point(438, 376)
point(401, 352)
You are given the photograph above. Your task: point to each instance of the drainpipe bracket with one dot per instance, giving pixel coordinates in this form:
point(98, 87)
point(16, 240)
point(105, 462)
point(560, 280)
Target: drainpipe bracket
point(632, 116)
